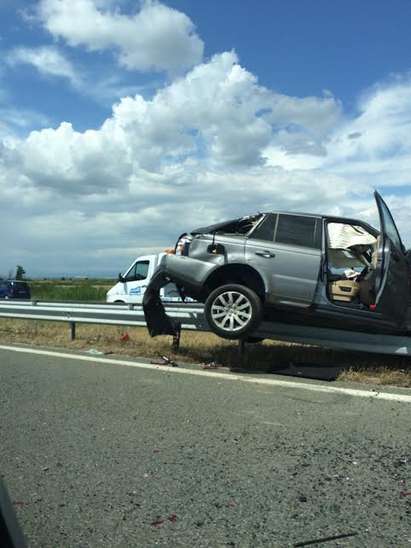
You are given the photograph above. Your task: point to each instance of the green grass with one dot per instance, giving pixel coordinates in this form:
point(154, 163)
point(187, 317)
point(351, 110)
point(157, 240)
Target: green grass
point(78, 290)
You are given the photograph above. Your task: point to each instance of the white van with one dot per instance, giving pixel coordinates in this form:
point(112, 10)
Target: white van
point(131, 286)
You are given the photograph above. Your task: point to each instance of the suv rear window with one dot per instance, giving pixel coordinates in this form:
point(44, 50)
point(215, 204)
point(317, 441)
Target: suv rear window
point(298, 230)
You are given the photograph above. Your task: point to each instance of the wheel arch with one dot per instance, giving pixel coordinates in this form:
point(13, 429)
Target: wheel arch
point(236, 273)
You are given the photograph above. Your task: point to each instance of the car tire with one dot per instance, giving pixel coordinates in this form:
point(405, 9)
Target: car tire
point(233, 311)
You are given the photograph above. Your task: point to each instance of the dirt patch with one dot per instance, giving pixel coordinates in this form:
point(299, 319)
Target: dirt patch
point(206, 347)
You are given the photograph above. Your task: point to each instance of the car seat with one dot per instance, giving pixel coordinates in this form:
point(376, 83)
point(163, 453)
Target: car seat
point(343, 290)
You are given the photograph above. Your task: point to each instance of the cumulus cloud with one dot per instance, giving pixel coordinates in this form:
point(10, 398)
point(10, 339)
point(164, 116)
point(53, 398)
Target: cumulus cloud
point(382, 137)
point(210, 145)
point(369, 150)
point(217, 117)
point(156, 37)
point(48, 60)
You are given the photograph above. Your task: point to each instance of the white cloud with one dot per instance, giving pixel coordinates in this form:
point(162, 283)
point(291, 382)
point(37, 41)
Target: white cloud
point(378, 139)
point(216, 117)
point(371, 149)
point(48, 60)
point(211, 145)
point(156, 37)
point(17, 120)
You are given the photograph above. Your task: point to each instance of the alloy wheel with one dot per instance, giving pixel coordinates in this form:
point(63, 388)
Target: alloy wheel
point(231, 311)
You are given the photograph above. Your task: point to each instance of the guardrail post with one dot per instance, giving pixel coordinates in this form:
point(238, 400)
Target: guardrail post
point(176, 341)
point(242, 353)
point(72, 331)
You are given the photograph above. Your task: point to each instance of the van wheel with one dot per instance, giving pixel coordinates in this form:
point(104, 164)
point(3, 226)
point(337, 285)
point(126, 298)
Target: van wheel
point(233, 311)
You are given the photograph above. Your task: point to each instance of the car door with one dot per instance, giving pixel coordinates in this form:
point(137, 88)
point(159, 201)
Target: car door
point(391, 285)
point(136, 280)
point(286, 251)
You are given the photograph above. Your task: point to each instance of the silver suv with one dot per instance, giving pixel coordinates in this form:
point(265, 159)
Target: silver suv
point(294, 267)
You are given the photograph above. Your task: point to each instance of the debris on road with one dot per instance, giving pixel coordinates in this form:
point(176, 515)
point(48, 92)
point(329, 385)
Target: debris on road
point(172, 517)
point(160, 521)
point(94, 352)
point(157, 523)
point(323, 540)
point(164, 360)
point(210, 365)
point(19, 503)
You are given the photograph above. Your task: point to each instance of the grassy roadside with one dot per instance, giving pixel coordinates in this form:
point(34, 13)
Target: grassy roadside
point(205, 347)
point(70, 289)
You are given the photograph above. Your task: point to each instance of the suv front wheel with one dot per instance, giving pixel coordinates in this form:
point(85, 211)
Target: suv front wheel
point(233, 311)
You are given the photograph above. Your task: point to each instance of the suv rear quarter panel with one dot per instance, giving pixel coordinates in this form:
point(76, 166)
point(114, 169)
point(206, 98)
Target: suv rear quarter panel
point(187, 270)
point(234, 247)
point(194, 270)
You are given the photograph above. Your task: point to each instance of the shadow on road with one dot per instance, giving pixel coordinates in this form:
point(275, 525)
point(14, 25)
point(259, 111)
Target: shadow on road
point(310, 362)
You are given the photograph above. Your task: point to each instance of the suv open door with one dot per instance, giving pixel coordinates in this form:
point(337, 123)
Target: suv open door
point(391, 282)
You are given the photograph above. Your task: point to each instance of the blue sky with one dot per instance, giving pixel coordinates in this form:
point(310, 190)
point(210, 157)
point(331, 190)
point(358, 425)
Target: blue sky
point(124, 123)
point(301, 47)
point(297, 47)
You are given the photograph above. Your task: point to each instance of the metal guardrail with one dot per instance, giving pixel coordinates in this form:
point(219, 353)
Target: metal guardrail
point(191, 316)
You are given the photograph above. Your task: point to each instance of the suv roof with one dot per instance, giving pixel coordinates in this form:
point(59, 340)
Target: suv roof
point(225, 224)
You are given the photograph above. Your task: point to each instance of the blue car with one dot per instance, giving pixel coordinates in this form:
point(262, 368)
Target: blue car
point(14, 289)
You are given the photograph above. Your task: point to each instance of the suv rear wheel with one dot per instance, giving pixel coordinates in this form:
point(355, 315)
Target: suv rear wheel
point(233, 311)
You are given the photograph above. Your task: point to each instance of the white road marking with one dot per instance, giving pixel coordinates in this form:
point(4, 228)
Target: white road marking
point(217, 375)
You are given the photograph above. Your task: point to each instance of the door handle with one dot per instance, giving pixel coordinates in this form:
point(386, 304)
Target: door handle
point(265, 254)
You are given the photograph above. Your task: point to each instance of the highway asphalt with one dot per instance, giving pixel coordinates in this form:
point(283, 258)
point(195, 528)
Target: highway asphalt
point(99, 454)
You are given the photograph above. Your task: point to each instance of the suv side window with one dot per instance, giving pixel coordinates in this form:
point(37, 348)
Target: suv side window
point(265, 230)
point(298, 230)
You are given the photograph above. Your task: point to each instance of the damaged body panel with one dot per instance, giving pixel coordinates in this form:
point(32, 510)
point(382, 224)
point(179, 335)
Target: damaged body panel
point(322, 269)
point(188, 272)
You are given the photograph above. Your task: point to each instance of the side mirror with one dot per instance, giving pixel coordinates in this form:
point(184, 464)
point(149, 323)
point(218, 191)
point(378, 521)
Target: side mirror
point(216, 249)
point(120, 277)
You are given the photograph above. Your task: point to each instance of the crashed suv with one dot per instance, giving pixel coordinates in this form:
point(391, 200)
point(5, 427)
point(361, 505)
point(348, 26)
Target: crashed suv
point(289, 267)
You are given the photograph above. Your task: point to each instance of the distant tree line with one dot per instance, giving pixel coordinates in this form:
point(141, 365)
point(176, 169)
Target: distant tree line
point(20, 272)
point(19, 275)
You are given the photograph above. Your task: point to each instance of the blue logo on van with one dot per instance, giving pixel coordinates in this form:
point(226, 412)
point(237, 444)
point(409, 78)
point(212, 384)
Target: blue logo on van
point(135, 291)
